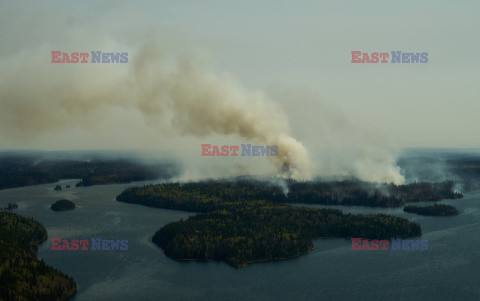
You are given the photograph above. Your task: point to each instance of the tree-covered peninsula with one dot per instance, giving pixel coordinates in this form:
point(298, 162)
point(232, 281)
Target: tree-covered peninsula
point(22, 275)
point(243, 222)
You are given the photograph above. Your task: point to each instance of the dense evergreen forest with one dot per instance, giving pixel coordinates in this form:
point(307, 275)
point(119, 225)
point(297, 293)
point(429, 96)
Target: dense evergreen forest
point(203, 196)
point(261, 231)
point(62, 205)
point(435, 210)
point(18, 171)
point(22, 276)
point(248, 221)
point(357, 193)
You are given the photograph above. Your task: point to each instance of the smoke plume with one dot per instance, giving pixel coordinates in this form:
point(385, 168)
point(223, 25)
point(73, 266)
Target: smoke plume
point(177, 93)
point(163, 99)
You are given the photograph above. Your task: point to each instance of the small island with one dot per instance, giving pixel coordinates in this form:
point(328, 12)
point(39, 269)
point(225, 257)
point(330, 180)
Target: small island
point(435, 210)
point(63, 205)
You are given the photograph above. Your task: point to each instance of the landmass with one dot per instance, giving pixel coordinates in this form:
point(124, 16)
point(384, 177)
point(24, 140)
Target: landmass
point(23, 170)
point(358, 193)
point(62, 205)
point(19, 169)
point(349, 193)
point(22, 275)
point(202, 196)
point(244, 222)
point(435, 210)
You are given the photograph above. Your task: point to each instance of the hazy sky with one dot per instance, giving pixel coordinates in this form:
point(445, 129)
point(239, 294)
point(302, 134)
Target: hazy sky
point(296, 48)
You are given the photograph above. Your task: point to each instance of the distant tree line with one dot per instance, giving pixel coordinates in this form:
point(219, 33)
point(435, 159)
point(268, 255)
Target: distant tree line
point(206, 195)
point(25, 171)
point(435, 210)
point(202, 196)
point(357, 193)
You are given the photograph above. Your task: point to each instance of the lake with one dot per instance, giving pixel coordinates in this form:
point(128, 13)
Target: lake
point(449, 269)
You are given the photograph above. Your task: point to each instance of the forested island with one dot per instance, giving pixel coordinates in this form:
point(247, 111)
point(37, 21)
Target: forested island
point(435, 210)
point(22, 275)
point(247, 221)
point(62, 205)
point(263, 231)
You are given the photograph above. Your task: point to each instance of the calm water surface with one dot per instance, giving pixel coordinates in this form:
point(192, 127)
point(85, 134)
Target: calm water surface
point(448, 270)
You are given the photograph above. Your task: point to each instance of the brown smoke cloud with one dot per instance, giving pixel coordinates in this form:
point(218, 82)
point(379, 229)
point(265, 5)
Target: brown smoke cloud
point(162, 96)
point(176, 93)
point(202, 103)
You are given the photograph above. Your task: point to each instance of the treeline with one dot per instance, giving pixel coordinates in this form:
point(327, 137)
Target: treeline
point(202, 196)
point(22, 276)
point(206, 196)
point(247, 221)
point(125, 171)
point(357, 193)
point(18, 171)
point(435, 210)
